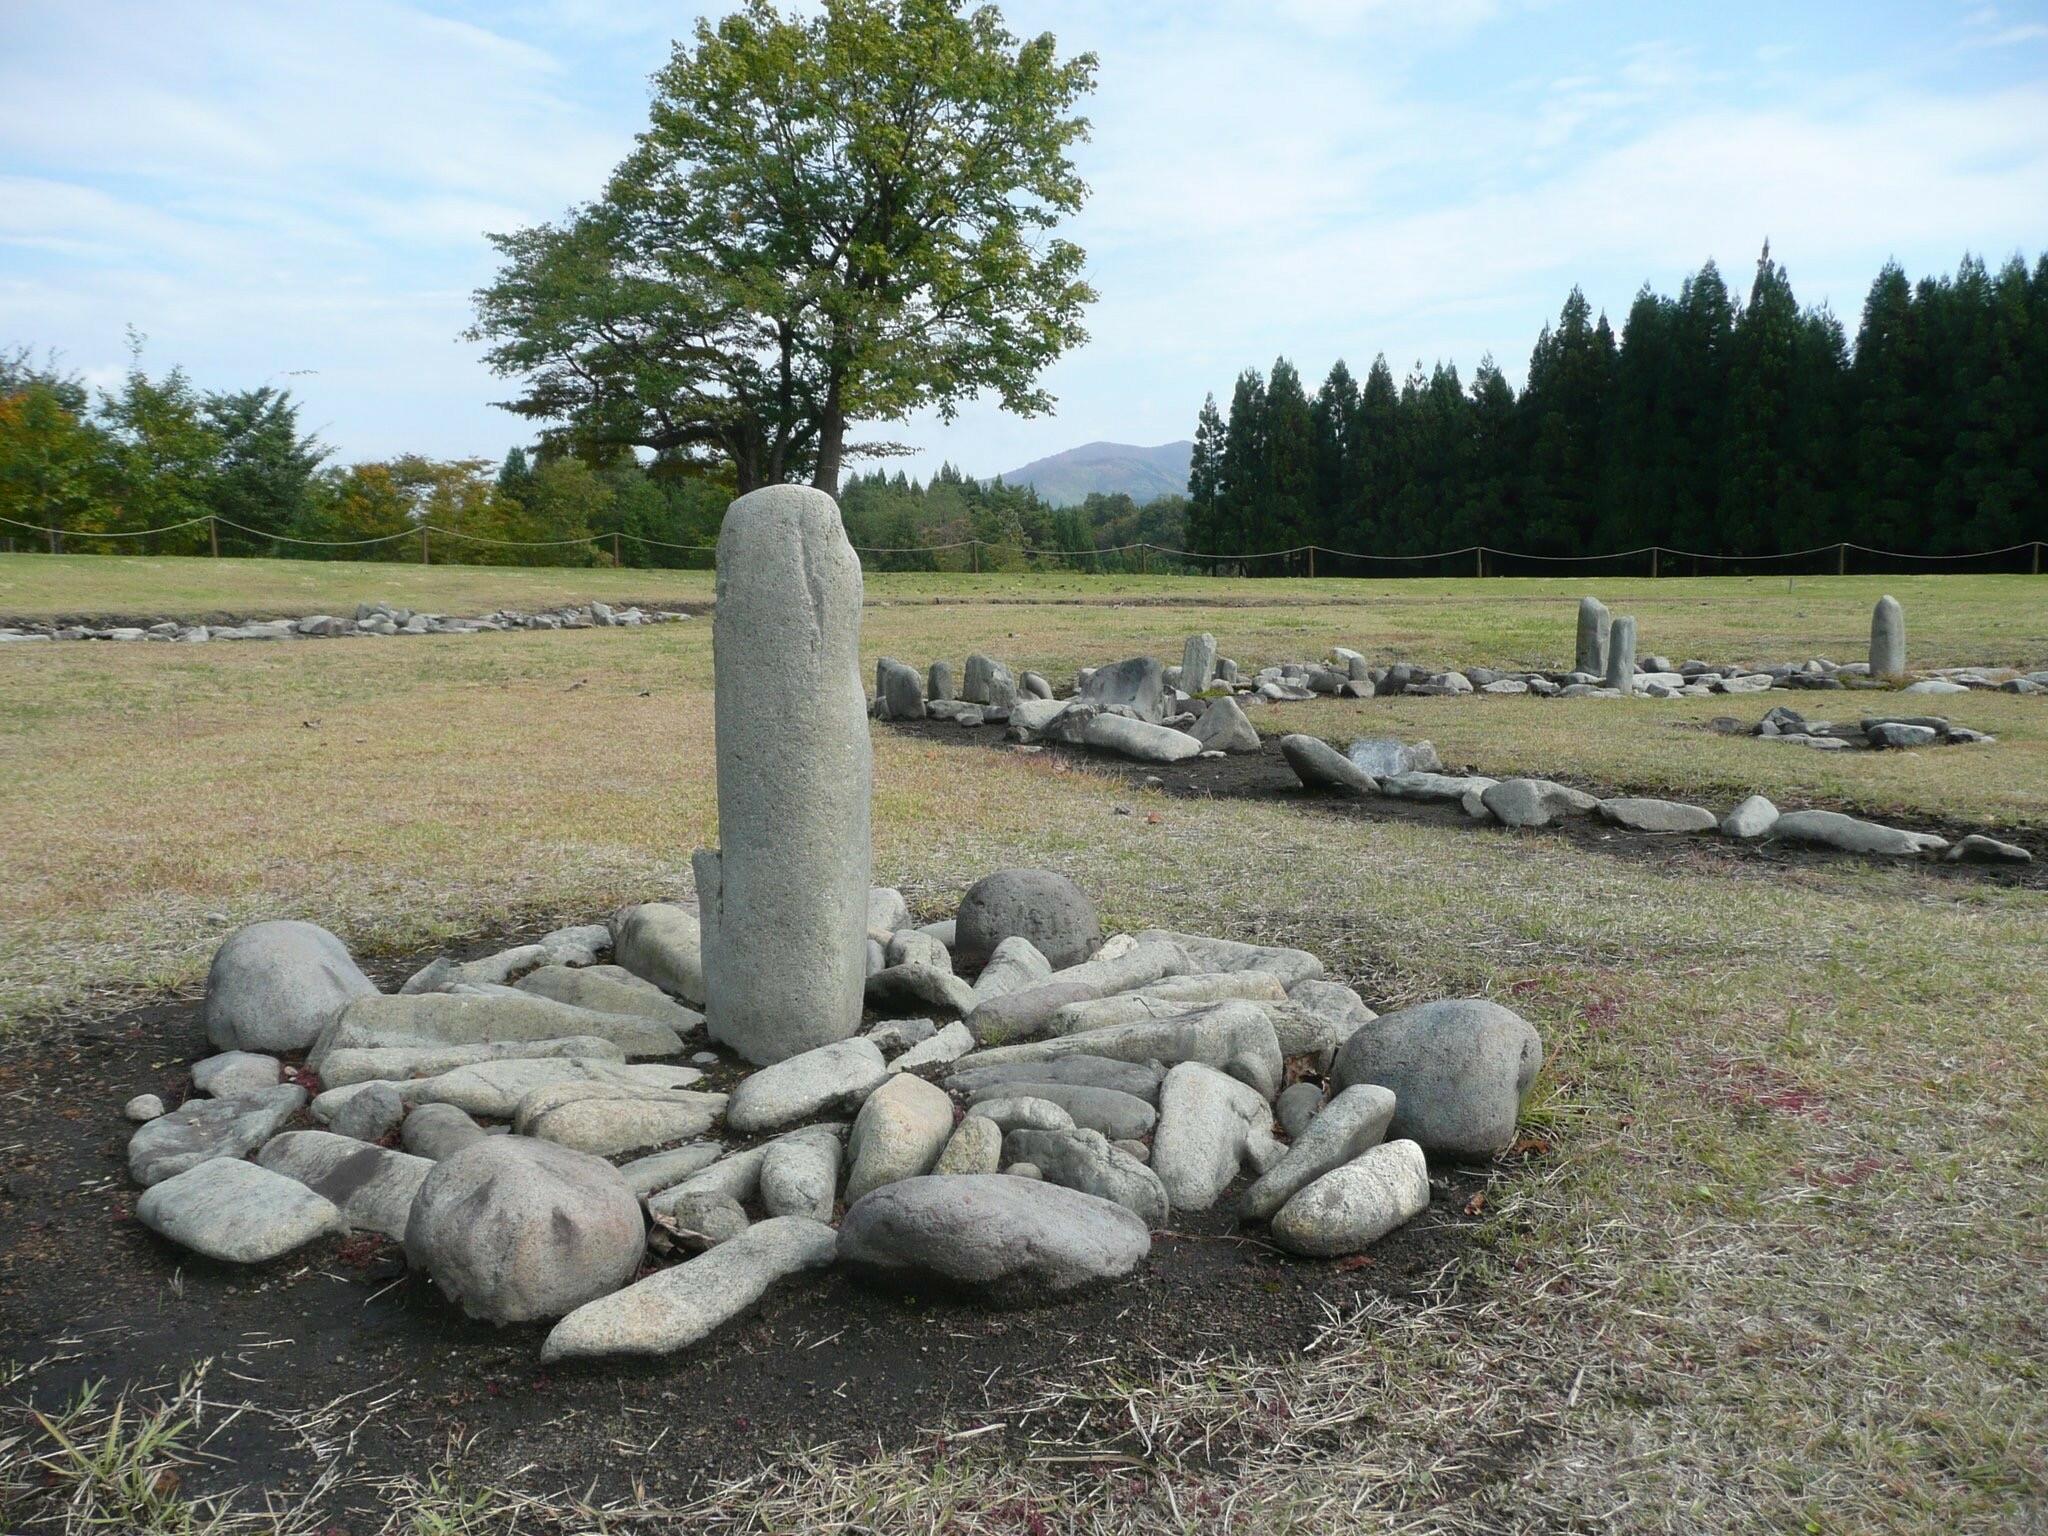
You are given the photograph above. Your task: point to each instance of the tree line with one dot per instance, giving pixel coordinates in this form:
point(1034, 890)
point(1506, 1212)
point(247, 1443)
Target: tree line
point(1709, 425)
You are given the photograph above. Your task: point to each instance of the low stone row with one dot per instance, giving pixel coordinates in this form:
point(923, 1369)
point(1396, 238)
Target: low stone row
point(368, 619)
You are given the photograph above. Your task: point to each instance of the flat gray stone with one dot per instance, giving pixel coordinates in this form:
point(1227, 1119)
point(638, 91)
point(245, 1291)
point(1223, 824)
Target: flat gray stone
point(1236, 1037)
point(201, 1130)
point(1029, 1011)
point(1016, 964)
point(370, 1115)
point(1021, 1112)
point(435, 1131)
point(1138, 740)
point(1649, 815)
point(345, 1067)
point(1435, 788)
point(677, 1307)
point(274, 986)
point(1001, 1239)
point(1085, 1160)
point(1831, 829)
point(236, 1212)
point(1139, 1079)
point(800, 1173)
point(611, 989)
point(1223, 727)
point(1979, 849)
point(497, 1018)
point(919, 986)
point(830, 1078)
point(1535, 802)
point(1321, 766)
point(894, 1036)
point(1209, 1126)
point(612, 1119)
point(1119, 1116)
point(1458, 1068)
point(1753, 818)
point(236, 1074)
point(1353, 1207)
point(1384, 756)
point(1351, 1123)
point(664, 1170)
point(1208, 954)
point(661, 942)
point(899, 1133)
point(1899, 736)
point(949, 1044)
point(373, 1187)
point(976, 1146)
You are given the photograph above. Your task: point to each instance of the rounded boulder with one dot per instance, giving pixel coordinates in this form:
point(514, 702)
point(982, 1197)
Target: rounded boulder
point(1051, 911)
point(515, 1229)
point(1458, 1068)
point(274, 986)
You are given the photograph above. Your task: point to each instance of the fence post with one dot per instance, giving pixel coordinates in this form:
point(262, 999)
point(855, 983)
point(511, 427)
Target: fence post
point(1479, 560)
point(53, 541)
point(213, 535)
point(1311, 562)
point(974, 552)
point(1145, 565)
point(2037, 557)
point(1842, 559)
point(423, 545)
point(1653, 562)
point(615, 549)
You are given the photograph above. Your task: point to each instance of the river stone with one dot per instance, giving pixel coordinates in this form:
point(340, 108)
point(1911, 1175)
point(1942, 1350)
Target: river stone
point(495, 1088)
point(949, 1044)
point(1331, 1000)
point(1382, 756)
point(1591, 653)
point(1979, 849)
point(976, 1146)
point(1046, 908)
point(612, 1119)
point(1022, 1112)
point(1139, 1079)
point(1535, 802)
point(737, 1175)
point(894, 1036)
point(1139, 740)
point(1831, 829)
point(1198, 663)
point(1119, 1116)
point(274, 986)
point(236, 1074)
point(1137, 685)
point(200, 1130)
point(830, 1077)
point(705, 1220)
point(1209, 1126)
point(143, 1107)
point(1168, 998)
point(1223, 727)
point(674, 1308)
point(1017, 963)
point(939, 681)
point(1458, 1068)
point(1002, 1239)
point(888, 912)
point(919, 986)
point(662, 943)
point(1888, 640)
point(899, 1133)
point(370, 1115)
point(515, 1229)
point(236, 1212)
point(496, 1018)
point(1321, 766)
point(1357, 1119)
point(800, 1173)
point(784, 899)
point(1647, 815)
point(610, 989)
point(1438, 788)
point(1236, 1037)
point(988, 681)
point(1297, 1106)
point(1029, 1010)
point(1089, 1162)
point(579, 946)
point(899, 691)
point(373, 1187)
point(1354, 1206)
point(346, 1067)
point(1898, 735)
point(664, 1170)
point(1753, 818)
point(434, 1131)
point(1621, 656)
point(1212, 954)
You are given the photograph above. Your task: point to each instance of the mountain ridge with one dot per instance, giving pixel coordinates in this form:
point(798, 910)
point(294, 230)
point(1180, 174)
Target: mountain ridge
point(1142, 473)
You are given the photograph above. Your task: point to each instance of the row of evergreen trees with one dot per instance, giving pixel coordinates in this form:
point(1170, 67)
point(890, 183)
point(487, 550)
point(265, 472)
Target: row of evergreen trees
point(957, 523)
point(1709, 425)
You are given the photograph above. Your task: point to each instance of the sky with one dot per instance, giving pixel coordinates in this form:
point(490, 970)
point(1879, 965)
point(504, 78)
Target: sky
point(298, 194)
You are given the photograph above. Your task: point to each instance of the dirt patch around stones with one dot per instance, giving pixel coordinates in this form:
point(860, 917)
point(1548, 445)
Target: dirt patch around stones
point(338, 1348)
point(1265, 776)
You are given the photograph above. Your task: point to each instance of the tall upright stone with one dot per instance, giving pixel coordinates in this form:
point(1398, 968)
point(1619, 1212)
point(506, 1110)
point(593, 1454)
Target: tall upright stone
point(1888, 639)
point(785, 896)
point(1198, 664)
point(1621, 655)
point(1593, 635)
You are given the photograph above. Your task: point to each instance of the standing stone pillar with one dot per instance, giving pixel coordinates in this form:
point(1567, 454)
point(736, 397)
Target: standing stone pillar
point(785, 896)
point(1593, 633)
point(1888, 640)
point(1621, 655)
point(1198, 664)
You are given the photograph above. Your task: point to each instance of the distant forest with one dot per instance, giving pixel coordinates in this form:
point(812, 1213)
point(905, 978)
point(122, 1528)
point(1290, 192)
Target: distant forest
point(1709, 425)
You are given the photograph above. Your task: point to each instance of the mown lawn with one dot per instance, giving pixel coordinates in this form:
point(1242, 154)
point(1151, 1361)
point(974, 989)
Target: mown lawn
point(1774, 1266)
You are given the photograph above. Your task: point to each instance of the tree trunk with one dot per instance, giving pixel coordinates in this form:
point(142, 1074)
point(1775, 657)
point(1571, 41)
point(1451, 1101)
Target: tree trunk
point(831, 442)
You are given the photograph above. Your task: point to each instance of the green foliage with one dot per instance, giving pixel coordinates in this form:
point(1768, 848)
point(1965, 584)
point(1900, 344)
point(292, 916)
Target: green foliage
point(262, 474)
point(829, 219)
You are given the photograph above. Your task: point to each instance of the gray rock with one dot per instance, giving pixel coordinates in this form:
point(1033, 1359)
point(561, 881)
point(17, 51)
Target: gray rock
point(1030, 685)
point(899, 691)
point(611, 989)
point(888, 912)
point(1212, 954)
point(800, 1173)
point(1139, 740)
point(1023, 1171)
point(1979, 849)
point(677, 1307)
point(236, 1212)
point(1535, 802)
point(899, 1133)
point(1594, 621)
point(1022, 1112)
point(373, 1187)
point(1888, 640)
point(1339, 1004)
point(737, 1175)
point(1621, 655)
point(662, 943)
point(1085, 1160)
point(1935, 685)
point(201, 1130)
point(704, 1220)
point(1354, 1121)
point(1139, 1079)
point(1119, 1116)
point(1437, 787)
point(346, 1067)
point(1831, 829)
point(495, 1088)
point(894, 1036)
point(1646, 815)
point(1321, 766)
point(1897, 734)
point(143, 1107)
point(435, 1131)
point(612, 1119)
point(1235, 1037)
point(1029, 1010)
point(370, 1115)
point(828, 1078)
point(1223, 727)
point(912, 947)
point(1354, 1206)
point(919, 986)
point(1209, 1126)
point(976, 1146)
point(274, 986)
point(1753, 818)
point(1168, 998)
point(515, 1230)
point(664, 1170)
point(1002, 1239)
point(1458, 1068)
point(1198, 663)
point(236, 1074)
point(988, 681)
point(432, 1019)
point(949, 1044)
point(578, 946)
point(1137, 686)
point(1016, 964)
point(1055, 915)
point(1297, 1106)
point(939, 681)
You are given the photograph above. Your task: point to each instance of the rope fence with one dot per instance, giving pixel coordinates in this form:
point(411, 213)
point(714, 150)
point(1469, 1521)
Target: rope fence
point(1296, 560)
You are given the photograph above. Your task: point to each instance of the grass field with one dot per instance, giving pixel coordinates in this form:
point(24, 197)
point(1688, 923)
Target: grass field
point(1780, 1269)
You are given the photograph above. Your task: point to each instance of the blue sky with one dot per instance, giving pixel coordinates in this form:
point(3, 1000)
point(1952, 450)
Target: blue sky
point(298, 193)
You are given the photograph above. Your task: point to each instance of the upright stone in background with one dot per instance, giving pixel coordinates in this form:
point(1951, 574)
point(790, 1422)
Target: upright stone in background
point(941, 681)
point(1593, 636)
point(1621, 655)
point(785, 897)
point(1888, 640)
point(1198, 664)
